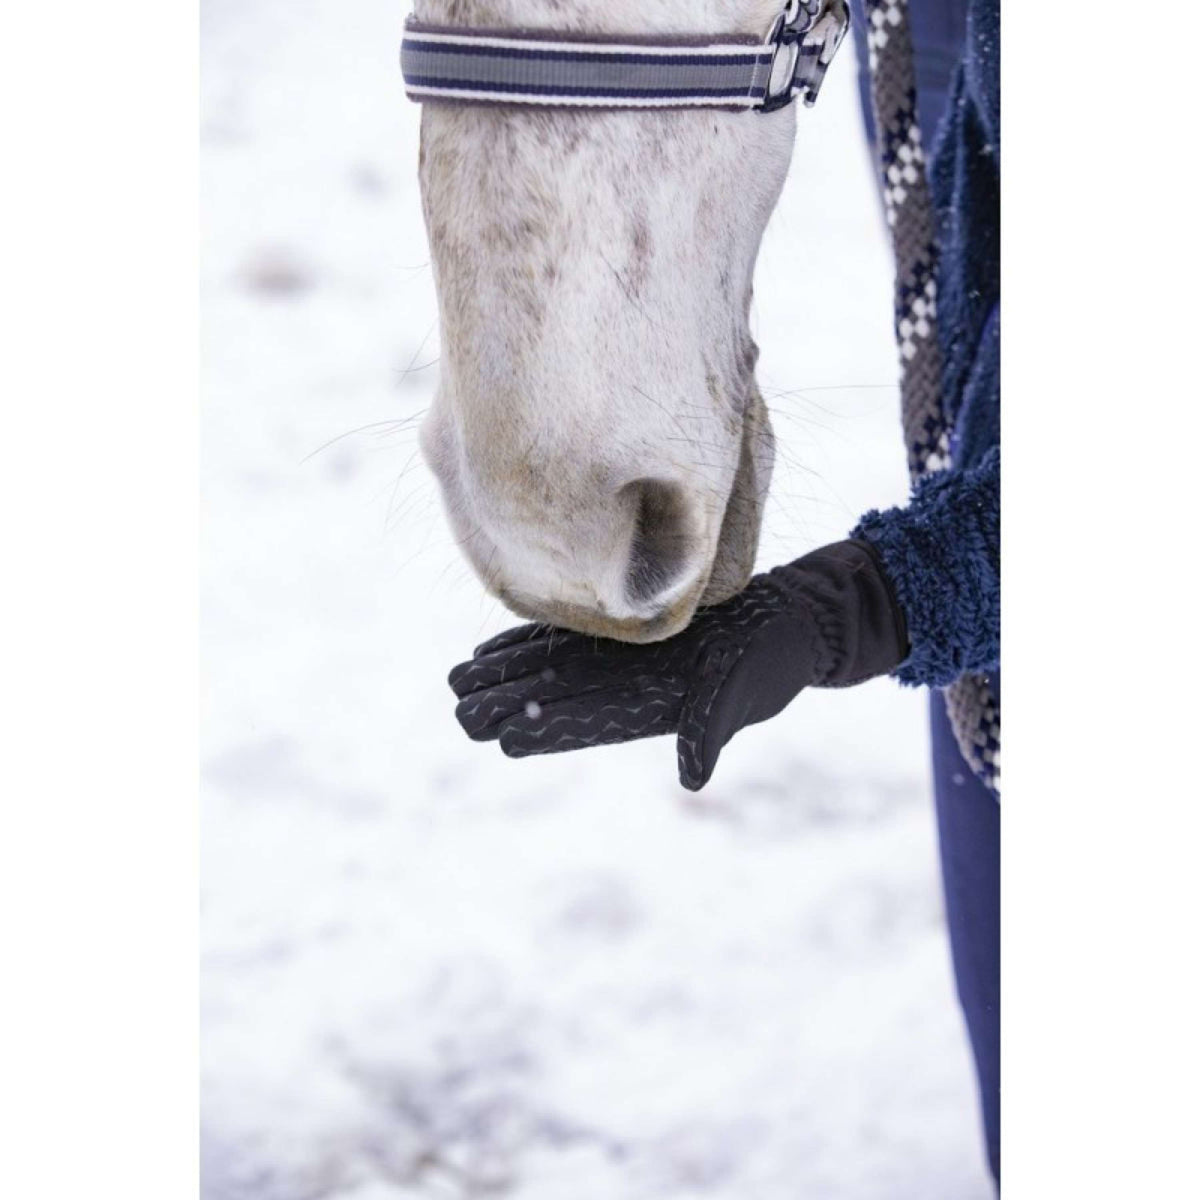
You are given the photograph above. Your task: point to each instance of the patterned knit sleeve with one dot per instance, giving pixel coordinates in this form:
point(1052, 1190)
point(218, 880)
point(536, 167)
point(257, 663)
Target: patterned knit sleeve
point(942, 553)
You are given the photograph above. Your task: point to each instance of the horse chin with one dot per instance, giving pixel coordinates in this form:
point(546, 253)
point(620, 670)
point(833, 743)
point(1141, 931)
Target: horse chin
point(741, 526)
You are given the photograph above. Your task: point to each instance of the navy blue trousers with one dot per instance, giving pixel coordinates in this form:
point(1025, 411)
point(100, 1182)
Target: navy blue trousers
point(968, 818)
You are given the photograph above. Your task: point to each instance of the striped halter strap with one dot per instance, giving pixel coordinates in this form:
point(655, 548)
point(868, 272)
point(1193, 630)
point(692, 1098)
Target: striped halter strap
point(549, 69)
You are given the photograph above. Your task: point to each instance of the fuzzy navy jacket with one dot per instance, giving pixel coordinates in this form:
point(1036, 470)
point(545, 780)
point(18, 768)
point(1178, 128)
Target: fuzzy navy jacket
point(942, 551)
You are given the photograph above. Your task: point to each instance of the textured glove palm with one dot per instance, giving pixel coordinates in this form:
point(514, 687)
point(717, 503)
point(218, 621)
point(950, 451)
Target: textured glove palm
point(827, 620)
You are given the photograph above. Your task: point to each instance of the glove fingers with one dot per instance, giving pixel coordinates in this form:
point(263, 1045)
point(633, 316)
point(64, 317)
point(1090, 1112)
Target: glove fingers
point(478, 675)
point(510, 637)
point(524, 656)
point(481, 712)
point(565, 653)
point(598, 719)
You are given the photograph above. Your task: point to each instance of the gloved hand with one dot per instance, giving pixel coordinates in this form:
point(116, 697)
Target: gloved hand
point(829, 619)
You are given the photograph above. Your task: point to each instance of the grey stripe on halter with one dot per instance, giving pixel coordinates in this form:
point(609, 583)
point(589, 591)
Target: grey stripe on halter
point(555, 70)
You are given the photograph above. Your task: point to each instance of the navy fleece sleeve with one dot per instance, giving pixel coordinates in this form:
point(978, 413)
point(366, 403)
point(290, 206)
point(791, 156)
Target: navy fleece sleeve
point(942, 553)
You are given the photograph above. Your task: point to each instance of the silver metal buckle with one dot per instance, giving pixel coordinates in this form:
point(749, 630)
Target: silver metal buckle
point(833, 29)
point(799, 20)
point(785, 36)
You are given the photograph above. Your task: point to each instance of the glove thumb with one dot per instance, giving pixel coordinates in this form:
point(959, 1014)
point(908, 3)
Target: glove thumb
point(705, 722)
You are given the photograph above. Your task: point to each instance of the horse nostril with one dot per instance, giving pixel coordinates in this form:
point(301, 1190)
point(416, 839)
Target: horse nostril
point(662, 545)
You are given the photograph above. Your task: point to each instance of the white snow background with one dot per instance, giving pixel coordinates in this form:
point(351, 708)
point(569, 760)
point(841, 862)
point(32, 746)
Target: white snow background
point(427, 971)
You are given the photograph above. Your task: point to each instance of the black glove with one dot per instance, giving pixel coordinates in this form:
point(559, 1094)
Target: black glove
point(829, 619)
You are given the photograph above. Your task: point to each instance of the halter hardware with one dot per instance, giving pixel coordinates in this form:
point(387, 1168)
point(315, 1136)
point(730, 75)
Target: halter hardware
point(551, 69)
point(805, 29)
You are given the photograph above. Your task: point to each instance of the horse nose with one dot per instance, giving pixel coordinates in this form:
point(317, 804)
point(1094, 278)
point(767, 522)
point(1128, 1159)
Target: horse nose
point(664, 547)
point(630, 564)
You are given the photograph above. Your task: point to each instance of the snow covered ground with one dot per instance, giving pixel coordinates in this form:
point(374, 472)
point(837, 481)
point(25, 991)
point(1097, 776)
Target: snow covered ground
point(429, 972)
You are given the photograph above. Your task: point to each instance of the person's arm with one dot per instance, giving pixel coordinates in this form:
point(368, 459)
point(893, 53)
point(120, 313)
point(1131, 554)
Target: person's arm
point(942, 555)
point(914, 592)
point(830, 619)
